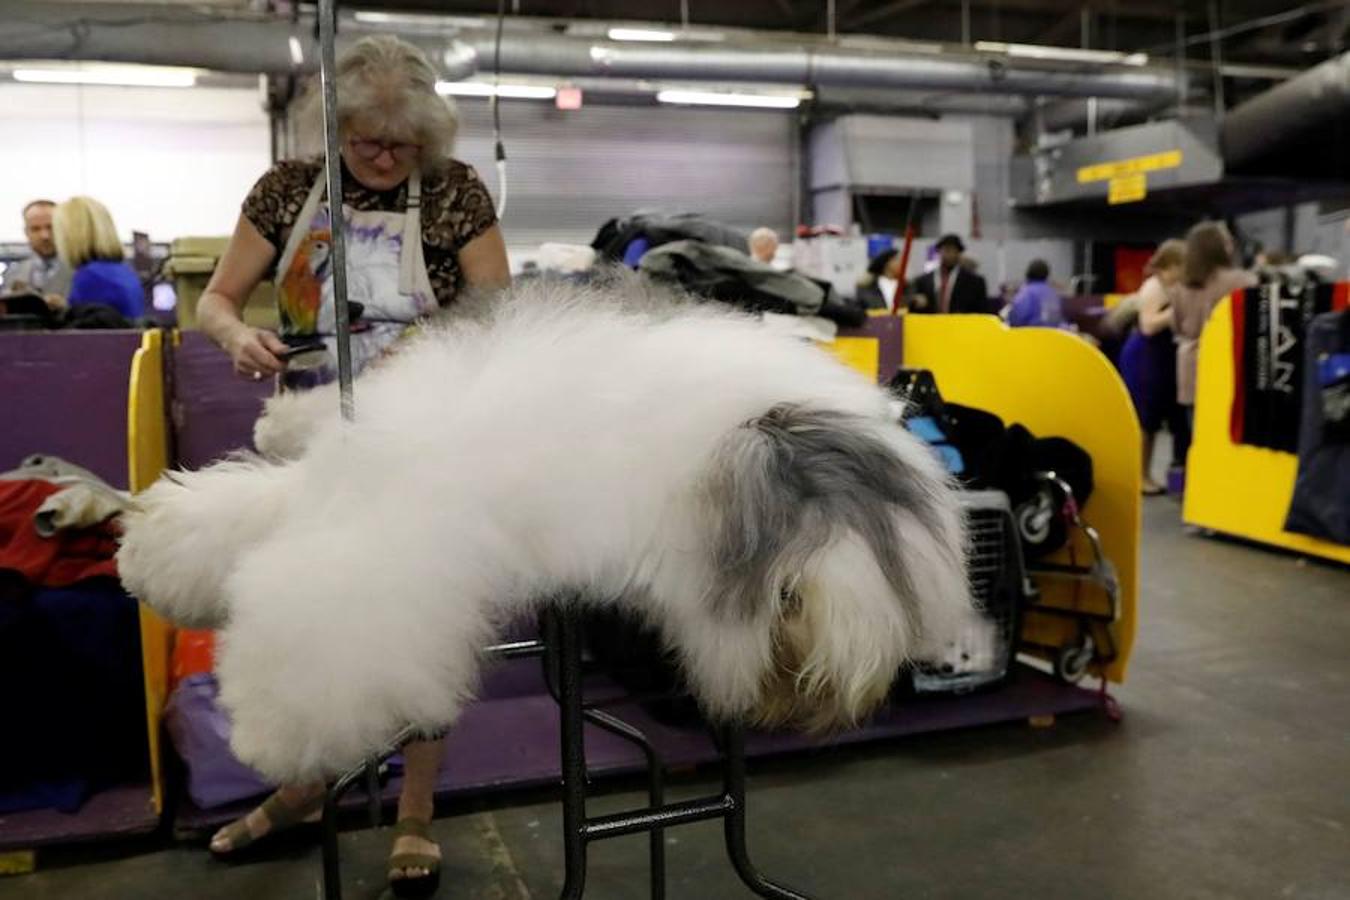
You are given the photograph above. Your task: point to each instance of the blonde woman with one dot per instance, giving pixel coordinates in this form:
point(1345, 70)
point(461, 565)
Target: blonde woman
point(86, 241)
point(1148, 359)
point(420, 228)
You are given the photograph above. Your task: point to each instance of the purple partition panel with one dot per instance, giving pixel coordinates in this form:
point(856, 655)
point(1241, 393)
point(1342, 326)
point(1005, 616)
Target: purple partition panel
point(65, 394)
point(889, 332)
point(213, 408)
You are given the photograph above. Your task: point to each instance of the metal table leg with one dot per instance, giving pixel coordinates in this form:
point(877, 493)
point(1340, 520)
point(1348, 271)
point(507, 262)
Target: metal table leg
point(332, 862)
point(733, 781)
point(563, 673)
point(562, 639)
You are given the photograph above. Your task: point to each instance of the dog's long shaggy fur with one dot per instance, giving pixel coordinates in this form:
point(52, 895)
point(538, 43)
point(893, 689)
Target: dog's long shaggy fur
point(740, 490)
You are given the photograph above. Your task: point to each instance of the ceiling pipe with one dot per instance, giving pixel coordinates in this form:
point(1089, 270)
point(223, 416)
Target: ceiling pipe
point(234, 42)
point(192, 36)
point(811, 64)
point(1287, 113)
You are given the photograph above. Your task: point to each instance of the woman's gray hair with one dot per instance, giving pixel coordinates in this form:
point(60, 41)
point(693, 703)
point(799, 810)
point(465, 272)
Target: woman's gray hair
point(386, 90)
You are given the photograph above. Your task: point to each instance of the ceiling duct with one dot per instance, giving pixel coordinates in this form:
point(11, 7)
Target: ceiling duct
point(1303, 109)
point(235, 42)
point(1158, 157)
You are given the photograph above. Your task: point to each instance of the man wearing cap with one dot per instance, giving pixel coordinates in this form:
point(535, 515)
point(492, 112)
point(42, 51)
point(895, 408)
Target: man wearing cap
point(951, 287)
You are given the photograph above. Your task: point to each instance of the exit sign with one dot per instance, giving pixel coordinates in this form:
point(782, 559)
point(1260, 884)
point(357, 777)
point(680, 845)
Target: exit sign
point(568, 97)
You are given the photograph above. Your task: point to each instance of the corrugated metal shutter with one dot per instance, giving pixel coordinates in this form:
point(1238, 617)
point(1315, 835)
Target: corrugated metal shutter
point(570, 171)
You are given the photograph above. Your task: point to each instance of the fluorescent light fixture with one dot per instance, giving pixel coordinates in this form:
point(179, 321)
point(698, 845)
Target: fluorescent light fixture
point(640, 34)
point(297, 51)
point(724, 98)
point(120, 76)
point(1063, 54)
point(384, 18)
point(508, 91)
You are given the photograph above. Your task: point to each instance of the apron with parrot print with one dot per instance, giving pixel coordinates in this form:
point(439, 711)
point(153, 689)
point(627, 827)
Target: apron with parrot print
point(386, 274)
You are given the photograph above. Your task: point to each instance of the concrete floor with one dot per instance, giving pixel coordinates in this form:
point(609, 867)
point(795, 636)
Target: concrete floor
point(1228, 778)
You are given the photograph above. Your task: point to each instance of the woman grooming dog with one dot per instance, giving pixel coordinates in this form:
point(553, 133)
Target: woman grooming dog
point(420, 228)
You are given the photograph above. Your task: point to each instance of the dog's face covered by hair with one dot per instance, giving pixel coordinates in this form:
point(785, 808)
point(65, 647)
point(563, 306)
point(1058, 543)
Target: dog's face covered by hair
point(739, 489)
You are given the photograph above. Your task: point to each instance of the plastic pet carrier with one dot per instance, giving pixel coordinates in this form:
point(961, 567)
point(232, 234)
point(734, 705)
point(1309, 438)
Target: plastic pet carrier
point(983, 656)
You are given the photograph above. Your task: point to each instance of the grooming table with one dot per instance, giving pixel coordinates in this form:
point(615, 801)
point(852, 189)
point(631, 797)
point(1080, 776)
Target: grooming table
point(560, 649)
point(524, 730)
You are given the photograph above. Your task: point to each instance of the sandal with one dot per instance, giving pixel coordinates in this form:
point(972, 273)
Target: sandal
point(414, 885)
point(281, 816)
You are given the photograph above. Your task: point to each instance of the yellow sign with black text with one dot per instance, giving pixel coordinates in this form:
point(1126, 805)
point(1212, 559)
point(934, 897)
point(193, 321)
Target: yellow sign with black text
point(1138, 165)
point(1127, 189)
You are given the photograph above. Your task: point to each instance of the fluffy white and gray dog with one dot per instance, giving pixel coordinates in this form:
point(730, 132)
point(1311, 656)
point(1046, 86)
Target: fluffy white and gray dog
point(741, 491)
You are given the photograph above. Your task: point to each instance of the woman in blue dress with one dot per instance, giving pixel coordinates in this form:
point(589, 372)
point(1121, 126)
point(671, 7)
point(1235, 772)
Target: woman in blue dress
point(1148, 361)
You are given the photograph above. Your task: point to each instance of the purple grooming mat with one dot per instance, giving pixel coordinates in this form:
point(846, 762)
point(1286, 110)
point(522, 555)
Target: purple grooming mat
point(511, 743)
point(200, 731)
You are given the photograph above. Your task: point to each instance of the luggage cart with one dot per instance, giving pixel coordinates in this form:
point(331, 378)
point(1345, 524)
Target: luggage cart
point(1054, 500)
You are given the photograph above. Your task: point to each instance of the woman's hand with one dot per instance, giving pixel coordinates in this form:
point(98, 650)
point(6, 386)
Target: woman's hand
point(255, 352)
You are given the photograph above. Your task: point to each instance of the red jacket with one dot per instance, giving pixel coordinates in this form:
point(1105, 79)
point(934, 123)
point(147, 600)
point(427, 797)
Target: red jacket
point(68, 556)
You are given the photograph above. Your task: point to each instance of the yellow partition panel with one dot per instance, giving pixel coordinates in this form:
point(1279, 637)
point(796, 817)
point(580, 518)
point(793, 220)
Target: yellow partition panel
point(1056, 385)
point(147, 456)
point(1234, 488)
point(861, 353)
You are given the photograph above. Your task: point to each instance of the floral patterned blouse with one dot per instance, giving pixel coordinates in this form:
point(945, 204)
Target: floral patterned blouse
point(456, 208)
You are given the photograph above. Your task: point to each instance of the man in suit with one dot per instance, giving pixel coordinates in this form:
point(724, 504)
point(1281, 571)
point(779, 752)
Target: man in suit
point(951, 287)
point(43, 272)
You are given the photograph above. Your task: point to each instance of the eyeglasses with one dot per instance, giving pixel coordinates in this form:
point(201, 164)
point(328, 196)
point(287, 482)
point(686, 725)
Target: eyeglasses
point(368, 149)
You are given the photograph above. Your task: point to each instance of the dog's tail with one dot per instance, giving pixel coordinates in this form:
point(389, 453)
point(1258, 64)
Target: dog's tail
point(843, 532)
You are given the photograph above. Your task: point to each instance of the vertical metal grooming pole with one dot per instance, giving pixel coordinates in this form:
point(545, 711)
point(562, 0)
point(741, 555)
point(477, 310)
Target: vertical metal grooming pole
point(333, 165)
point(337, 227)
